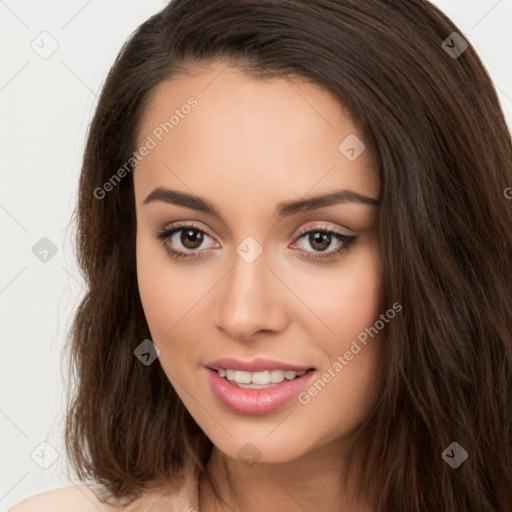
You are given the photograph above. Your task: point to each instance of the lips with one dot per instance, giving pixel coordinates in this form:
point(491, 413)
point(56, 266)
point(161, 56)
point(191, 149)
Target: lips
point(255, 365)
point(256, 401)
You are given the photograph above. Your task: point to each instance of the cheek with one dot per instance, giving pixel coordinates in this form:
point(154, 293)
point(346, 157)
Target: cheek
point(348, 381)
point(154, 294)
point(347, 298)
point(360, 297)
point(163, 291)
point(172, 304)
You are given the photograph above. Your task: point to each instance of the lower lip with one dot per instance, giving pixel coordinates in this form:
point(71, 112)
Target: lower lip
point(254, 402)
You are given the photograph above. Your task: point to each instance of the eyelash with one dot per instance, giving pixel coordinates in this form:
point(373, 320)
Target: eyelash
point(164, 234)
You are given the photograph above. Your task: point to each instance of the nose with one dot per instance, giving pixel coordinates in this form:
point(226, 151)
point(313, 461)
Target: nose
point(250, 300)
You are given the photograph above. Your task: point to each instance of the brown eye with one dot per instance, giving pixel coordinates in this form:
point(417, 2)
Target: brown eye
point(191, 238)
point(320, 240)
point(323, 243)
point(185, 241)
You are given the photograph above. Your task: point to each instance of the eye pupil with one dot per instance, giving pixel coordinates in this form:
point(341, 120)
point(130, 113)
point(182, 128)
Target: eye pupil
point(319, 238)
point(191, 238)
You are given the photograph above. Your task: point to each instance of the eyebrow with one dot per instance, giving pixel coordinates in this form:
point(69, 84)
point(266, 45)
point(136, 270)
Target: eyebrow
point(284, 209)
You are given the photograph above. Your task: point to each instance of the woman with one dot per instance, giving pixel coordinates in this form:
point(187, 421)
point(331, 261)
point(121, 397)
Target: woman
point(295, 232)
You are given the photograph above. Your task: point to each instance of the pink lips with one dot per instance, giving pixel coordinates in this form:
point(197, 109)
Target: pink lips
point(256, 401)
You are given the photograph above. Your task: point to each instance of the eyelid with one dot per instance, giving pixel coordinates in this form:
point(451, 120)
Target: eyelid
point(323, 226)
point(347, 241)
point(303, 230)
point(181, 224)
point(168, 231)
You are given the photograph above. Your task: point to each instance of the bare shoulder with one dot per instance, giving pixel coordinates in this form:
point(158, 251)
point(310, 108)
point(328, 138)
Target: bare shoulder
point(78, 498)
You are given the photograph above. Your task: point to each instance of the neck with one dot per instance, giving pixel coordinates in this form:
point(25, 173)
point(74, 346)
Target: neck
point(314, 481)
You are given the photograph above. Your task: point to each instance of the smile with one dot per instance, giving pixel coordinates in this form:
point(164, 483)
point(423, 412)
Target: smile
point(258, 380)
point(251, 398)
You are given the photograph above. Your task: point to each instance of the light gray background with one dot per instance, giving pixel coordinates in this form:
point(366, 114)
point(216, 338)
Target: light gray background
point(46, 105)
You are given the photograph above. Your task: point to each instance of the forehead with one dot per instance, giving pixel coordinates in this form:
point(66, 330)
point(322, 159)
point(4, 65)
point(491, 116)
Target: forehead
point(218, 133)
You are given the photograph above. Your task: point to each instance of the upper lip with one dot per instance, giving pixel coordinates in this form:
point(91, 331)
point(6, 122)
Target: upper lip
point(255, 365)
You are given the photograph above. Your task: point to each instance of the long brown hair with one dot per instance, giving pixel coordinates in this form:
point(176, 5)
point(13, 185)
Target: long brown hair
point(433, 123)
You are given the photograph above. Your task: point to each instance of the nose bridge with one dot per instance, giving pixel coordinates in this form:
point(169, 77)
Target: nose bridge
point(248, 302)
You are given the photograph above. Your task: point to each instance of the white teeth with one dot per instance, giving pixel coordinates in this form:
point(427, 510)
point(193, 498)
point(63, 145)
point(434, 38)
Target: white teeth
point(261, 378)
point(242, 377)
point(276, 376)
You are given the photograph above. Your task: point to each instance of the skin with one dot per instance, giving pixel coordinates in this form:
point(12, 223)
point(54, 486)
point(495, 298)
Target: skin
point(248, 145)
point(78, 498)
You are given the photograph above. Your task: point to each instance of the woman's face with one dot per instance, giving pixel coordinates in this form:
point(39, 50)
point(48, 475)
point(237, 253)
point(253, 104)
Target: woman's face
point(248, 284)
